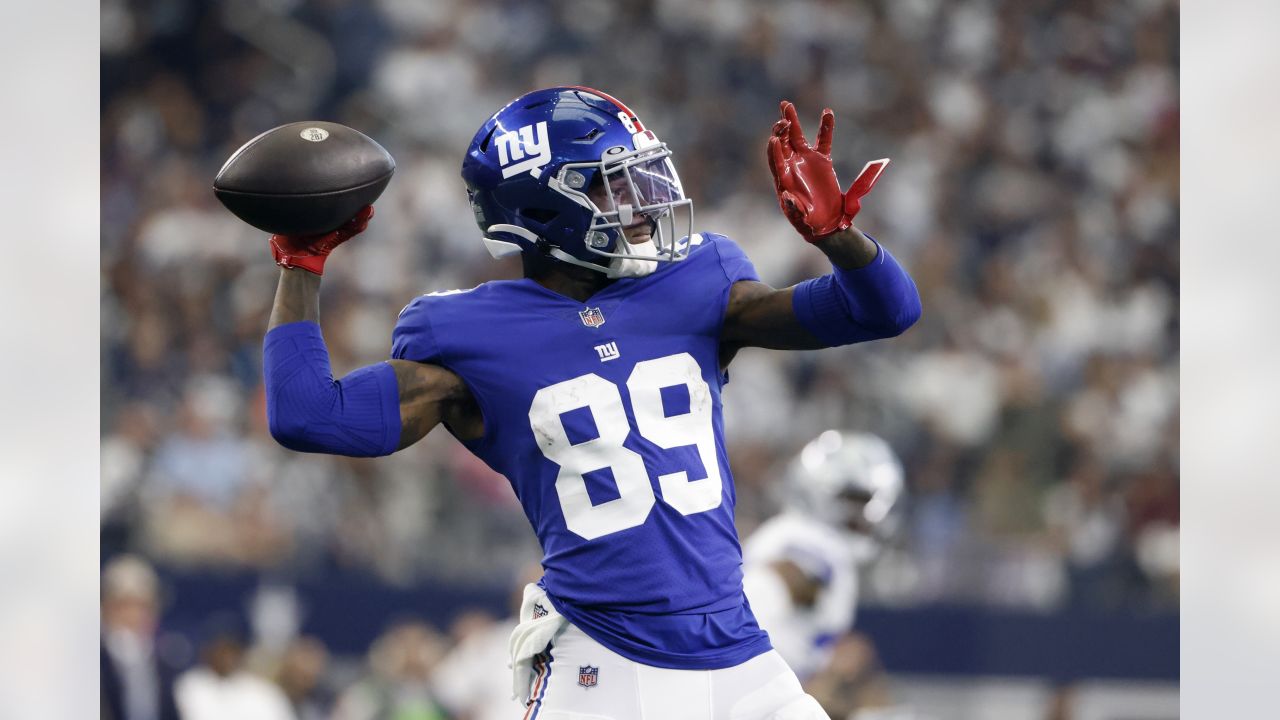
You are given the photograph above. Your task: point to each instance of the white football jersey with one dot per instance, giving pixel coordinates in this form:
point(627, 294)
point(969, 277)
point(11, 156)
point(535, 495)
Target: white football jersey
point(803, 635)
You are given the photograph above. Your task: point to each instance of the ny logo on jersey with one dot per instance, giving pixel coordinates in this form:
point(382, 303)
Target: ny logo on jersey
point(591, 317)
point(608, 351)
point(524, 150)
point(588, 675)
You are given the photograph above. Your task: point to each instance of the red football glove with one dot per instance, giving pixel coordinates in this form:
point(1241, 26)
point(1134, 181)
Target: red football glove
point(808, 190)
point(309, 252)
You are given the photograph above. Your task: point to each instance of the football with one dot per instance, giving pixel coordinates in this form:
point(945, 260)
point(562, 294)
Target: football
point(304, 178)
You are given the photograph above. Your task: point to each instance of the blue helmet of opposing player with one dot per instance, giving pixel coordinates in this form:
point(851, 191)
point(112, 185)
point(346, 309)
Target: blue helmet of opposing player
point(571, 172)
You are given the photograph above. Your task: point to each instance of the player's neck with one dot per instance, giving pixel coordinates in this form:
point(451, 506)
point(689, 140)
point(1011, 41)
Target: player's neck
point(568, 280)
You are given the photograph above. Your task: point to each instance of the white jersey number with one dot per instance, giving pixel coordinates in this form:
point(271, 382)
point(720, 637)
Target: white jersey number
point(635, 493)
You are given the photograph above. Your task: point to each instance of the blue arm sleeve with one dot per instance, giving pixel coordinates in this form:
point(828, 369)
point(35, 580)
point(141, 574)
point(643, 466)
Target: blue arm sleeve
point(308, 411)
point(850, 306)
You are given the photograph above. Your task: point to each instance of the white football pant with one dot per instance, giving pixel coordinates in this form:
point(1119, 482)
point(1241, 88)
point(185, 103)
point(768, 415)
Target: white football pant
point(580, 679)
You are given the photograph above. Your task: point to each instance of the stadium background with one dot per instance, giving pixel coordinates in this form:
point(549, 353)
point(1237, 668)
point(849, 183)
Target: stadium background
point(1033, 196)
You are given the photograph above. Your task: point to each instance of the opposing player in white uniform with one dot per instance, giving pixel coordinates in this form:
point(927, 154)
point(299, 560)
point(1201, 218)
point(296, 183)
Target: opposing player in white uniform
point(801, 566)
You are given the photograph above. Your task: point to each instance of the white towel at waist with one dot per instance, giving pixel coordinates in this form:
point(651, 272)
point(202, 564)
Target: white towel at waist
point(539, 624)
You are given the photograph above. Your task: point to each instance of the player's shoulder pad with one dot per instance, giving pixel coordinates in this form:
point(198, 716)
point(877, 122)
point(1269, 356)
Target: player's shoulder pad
point(414, 336)
point(733, 261)
point(437, 300)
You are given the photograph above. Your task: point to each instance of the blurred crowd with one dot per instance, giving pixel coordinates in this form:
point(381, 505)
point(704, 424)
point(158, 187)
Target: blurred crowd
point(1033, 196)
point(233, 668)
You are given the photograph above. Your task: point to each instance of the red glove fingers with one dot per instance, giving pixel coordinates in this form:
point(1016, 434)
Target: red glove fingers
point(779, 169)
point(825, 128)
point(309, 252)
point(808, 190)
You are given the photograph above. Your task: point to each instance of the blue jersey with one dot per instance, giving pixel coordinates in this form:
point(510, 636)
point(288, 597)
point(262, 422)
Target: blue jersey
point(605, 417)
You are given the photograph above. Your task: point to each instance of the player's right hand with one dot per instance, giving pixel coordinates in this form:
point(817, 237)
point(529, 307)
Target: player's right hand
point(309, 252)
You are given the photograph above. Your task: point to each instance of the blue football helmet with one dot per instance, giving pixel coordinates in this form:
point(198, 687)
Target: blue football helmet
point(565, 171)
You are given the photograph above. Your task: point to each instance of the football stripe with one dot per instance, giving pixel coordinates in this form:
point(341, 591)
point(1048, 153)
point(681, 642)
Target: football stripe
point(630, 113)
point(539, 688)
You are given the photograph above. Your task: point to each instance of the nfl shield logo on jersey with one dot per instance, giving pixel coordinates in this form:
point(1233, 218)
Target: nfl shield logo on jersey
point(592, 317)
point(588, 675)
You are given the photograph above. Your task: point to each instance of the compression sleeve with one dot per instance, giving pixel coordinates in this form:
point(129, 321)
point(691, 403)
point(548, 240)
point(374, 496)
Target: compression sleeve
point(849, 306)
point(308, 411)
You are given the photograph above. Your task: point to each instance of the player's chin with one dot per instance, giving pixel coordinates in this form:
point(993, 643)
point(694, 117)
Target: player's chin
point(639, 234)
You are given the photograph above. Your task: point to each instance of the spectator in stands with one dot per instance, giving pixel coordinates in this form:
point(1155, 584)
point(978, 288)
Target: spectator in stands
point(220, 687)
point(398, 685)
point(206, 504)
point(302, 677)
point(136, 683)
point(1086, 521)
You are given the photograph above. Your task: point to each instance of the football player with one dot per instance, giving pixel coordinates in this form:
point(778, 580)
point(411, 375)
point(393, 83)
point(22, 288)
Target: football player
point(842, 494)
point(593, 384)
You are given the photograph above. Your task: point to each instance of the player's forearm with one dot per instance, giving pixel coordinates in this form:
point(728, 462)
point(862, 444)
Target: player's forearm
point(848, 249)
point(871, 301)
point(297, 298)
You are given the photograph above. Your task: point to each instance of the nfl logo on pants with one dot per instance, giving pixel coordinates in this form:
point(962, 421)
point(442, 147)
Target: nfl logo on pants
point(588, 675)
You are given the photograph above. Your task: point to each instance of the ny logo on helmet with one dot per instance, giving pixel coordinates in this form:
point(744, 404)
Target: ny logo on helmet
point(524, 150)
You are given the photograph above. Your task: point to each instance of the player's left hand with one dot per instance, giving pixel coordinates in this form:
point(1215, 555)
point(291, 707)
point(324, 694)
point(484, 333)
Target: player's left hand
point(808, 190)
point(310, 252)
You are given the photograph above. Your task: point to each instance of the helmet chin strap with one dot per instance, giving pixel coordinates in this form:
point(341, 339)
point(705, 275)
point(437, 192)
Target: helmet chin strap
point(633, 266)
point(623, 267)
point(618, 267)
point(563, 256)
